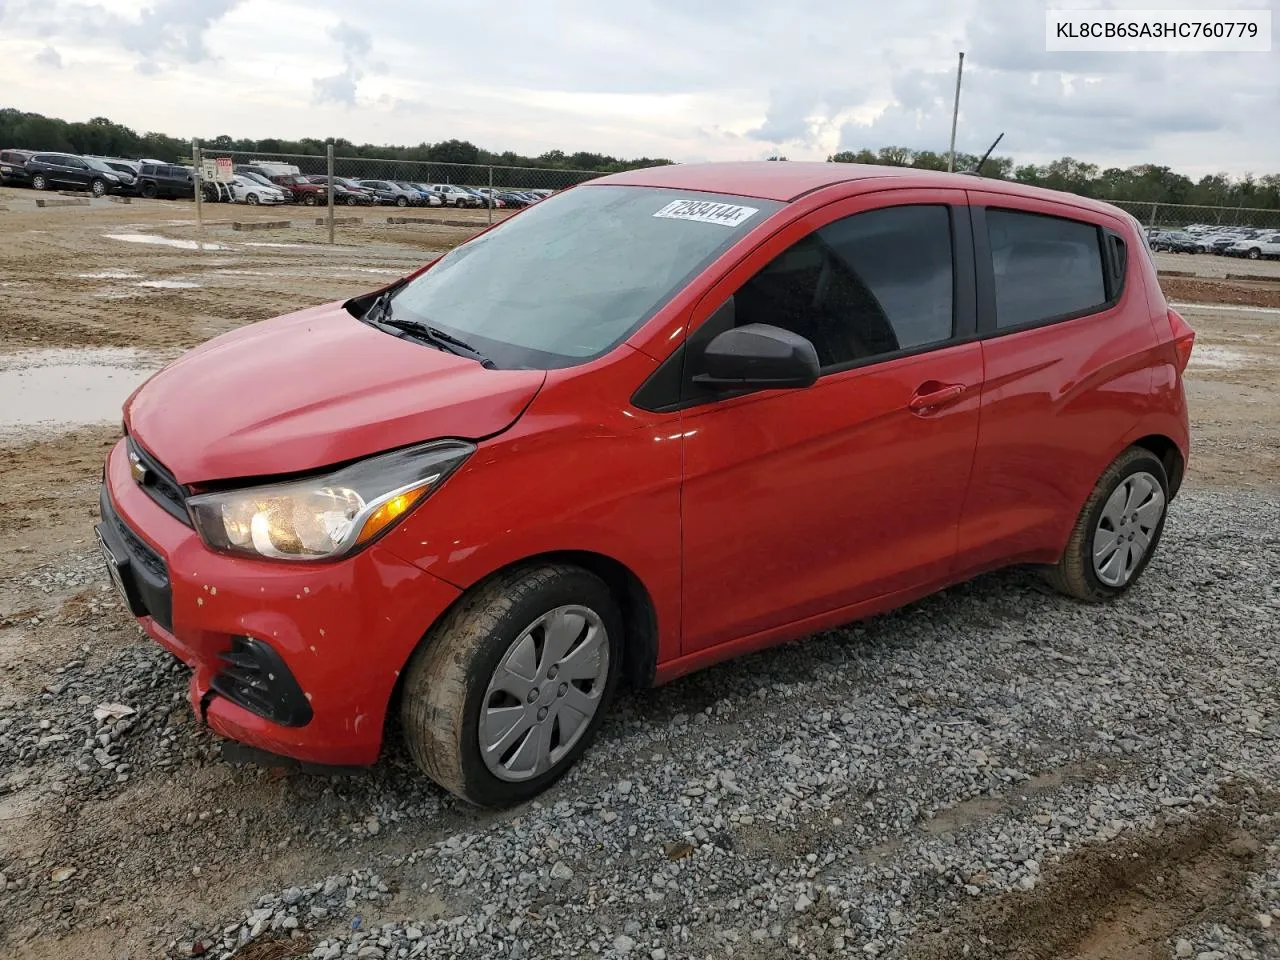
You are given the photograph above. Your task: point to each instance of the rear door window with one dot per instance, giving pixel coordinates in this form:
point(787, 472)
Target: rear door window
point(1045, 267)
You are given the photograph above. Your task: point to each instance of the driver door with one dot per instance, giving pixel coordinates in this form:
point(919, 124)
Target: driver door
point(799, 502)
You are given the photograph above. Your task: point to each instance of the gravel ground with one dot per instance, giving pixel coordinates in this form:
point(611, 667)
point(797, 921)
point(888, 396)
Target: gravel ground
point(959, 778)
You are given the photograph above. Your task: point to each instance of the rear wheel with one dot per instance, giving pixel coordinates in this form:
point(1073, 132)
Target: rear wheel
point(39, 182)
point(507, 691)
point(1117, 531)
point(149, 191)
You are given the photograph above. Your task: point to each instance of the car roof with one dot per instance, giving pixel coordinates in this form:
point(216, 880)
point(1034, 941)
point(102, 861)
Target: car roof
point(788, 180)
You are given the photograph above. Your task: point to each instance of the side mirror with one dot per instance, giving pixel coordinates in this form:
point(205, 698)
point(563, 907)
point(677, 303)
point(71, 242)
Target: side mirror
point(758, 356)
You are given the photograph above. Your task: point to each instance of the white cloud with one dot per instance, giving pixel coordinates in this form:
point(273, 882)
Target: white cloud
point(717, 80)
point(49, 57)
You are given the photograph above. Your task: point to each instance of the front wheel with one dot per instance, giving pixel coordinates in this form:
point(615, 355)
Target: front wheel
point(1254, 253)
point(352, 200)
point(252, 199)
point(39, 182)
point(98, 188)
point(507, 691)
point(1117, 531)
point(309, 200)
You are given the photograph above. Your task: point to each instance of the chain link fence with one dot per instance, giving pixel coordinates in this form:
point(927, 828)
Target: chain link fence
point(428, 190)
point(1176, 216)
point(397, 189)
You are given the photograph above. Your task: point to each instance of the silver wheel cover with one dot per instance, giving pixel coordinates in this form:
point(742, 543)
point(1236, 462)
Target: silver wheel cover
point(544, 693)
point(1126, 527)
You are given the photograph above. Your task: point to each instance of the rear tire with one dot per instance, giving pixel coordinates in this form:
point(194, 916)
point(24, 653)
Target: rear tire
point(149, 191)
point(1099, 562)
point(465, 669)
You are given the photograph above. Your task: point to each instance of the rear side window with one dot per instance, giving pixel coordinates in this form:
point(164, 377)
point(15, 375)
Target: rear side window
point(1045, 267)
point(868, 285)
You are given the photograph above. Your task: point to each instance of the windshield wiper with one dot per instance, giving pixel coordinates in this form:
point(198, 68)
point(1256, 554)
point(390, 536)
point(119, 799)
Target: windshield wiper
point(435, 336)
point(379, 313)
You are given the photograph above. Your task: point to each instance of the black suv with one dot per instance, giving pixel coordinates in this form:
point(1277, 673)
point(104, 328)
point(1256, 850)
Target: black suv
point(166, 181)
point(13, 166)
point(51, 171)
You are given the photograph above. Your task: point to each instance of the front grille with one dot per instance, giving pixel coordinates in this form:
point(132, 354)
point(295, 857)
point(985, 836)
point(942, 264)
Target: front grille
point(143, 572)
point(255, 677)
point(139, 551)
point(160, 484)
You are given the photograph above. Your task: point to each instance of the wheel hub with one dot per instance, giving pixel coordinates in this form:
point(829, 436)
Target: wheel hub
point(1126, 528)
point(544, 693)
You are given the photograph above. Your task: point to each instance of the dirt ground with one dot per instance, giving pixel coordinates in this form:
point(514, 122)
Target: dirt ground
point(77, 277)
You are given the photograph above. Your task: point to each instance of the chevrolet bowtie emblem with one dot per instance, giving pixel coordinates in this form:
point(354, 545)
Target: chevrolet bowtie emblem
point(137, 469)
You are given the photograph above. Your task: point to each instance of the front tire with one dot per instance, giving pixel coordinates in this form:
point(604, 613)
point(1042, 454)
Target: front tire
point(508, 690)
point(309, 200)
point(251, 199)
point(402, 201)
point(98, 188)
point(39, 182)
point(1254, 253)
point(1117, 531)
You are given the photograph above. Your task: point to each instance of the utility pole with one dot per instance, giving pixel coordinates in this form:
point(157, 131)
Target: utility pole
point(955, 115)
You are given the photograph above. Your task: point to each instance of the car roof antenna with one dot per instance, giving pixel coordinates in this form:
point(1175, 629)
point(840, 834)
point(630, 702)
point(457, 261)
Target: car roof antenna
point(977, 170)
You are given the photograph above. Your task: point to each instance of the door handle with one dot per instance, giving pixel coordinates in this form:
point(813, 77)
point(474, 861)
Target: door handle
point(930, 396)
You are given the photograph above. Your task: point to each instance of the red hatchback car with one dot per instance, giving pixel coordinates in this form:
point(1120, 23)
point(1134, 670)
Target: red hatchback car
point(656, 421)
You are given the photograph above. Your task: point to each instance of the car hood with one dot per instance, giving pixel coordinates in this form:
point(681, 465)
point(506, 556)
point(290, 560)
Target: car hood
point(311, 389)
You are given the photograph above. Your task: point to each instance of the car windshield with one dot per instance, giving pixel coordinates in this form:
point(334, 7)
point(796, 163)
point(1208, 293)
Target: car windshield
point(97, 164)
point(572, 277)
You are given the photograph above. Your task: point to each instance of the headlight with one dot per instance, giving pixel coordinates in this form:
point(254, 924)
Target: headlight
point(324, 517)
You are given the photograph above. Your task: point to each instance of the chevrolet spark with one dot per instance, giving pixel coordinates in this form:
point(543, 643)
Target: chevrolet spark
point(654, 422)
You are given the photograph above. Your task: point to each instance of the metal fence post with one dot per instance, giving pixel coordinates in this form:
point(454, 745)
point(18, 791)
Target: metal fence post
point(328, 156)
point(1153, 215)
point(491, 193)
point(196, 162)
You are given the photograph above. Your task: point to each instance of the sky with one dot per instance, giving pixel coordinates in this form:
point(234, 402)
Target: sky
point(685, 79)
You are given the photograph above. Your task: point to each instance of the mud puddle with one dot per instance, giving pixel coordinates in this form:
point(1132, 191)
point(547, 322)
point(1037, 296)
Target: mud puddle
point(60, 389)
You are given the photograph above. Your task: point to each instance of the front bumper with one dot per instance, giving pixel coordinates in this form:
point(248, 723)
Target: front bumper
point(343, 630)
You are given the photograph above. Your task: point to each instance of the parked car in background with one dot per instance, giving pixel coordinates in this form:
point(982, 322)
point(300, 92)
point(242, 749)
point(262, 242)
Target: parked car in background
point(254, 192)
point(13, 167)
point(1262, 246)
point(1175, 241)
point(166, 181)
point(753, 392)
point(300, 189)
point(424, 196)
point(388, 192)
point(63, 171)
point(346, 192)
point(454, 196)
point(433, 199)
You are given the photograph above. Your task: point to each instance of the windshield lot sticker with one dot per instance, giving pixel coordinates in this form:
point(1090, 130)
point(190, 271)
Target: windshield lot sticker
point(706, 211)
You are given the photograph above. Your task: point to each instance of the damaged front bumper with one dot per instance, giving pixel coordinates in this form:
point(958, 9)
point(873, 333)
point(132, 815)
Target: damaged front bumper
point(295, 660)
